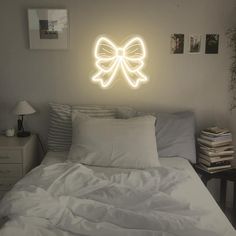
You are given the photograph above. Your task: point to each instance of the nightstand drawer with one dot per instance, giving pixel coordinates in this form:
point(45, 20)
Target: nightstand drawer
point(10, 170)
point(10, 156)
point(7, 183)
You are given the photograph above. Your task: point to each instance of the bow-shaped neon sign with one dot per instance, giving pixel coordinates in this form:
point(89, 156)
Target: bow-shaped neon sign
point(110, 59)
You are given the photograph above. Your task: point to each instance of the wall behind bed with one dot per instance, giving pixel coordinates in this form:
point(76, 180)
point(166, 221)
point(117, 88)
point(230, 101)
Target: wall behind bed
point(177, 82)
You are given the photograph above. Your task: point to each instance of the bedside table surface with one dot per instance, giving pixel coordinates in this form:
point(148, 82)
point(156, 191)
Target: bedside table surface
point(6, 142)
point(228, 174)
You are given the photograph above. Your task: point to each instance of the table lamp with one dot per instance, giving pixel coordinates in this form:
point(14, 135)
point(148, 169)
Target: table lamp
point(22, 108)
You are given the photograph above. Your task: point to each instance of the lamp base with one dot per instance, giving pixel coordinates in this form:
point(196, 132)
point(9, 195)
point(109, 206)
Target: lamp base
point(23, 134)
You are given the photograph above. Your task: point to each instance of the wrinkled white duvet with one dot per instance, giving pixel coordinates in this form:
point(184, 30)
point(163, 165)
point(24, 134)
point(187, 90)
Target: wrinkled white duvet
point(70, 199)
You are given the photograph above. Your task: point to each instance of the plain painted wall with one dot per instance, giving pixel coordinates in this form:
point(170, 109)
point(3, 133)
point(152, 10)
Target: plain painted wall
point(177, 82)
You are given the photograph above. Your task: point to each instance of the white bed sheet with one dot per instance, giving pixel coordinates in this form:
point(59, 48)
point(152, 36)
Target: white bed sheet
point(192, 191)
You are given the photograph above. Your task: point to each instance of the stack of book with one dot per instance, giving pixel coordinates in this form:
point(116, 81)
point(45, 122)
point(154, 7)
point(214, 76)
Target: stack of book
point(215, 149)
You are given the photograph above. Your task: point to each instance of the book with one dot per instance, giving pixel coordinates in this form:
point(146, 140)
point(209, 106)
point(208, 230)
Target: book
point(217, 149)
point(216, 130)
point(214, 144)
point(217, 153)
point(212, 168)
point(215, 139)
point(212, 164)
point(213, 135)
point(211, 171)
point(216, 158)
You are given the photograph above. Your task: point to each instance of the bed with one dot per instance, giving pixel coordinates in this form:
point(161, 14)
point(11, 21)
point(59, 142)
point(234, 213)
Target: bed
point(65, 197)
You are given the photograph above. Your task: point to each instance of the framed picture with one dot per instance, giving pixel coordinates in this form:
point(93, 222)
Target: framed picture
point(195, 43)
point(48, 28)
point(177, 43)
point(212, 43)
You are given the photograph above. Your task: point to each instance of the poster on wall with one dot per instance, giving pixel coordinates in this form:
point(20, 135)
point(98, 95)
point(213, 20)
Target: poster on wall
point(212, 44)
point(177, 44)
point(48, 28)
point(195, 43)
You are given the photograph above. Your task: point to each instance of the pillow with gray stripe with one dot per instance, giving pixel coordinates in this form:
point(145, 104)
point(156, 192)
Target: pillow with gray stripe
point(96, 111)
point(60, 126)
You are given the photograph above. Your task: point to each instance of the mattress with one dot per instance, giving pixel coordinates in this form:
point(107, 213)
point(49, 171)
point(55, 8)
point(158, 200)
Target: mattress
point(192, 191)
point(47, 211)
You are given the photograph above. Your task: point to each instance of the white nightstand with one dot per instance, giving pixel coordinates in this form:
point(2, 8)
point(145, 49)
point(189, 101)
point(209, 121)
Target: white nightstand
point(17, 157)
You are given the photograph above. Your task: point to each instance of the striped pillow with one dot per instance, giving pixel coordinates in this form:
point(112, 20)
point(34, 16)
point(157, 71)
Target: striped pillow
point(60, 127)
point(96, 111)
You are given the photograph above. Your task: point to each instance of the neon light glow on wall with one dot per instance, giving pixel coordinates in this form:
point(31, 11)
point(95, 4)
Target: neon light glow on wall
point(129, 58)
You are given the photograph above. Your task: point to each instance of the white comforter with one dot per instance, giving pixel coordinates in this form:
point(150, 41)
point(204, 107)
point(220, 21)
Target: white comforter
point(70, 199)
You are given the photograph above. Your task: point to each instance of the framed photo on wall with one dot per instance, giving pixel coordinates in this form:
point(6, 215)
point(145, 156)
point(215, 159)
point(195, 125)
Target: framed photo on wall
point(177, 43)
point(48, 28)
point(195, 43)
point(212, 44)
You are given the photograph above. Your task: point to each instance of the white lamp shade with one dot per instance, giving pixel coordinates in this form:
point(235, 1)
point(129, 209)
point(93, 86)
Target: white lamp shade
point(23, 108)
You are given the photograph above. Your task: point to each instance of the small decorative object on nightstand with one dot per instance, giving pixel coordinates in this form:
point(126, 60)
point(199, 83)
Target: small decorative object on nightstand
point(17, 157)
point(23, 108)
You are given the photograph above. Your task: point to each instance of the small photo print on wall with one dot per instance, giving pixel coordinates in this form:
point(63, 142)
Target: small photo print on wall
point(212, 44)
point(195, 43)
point(177, 43)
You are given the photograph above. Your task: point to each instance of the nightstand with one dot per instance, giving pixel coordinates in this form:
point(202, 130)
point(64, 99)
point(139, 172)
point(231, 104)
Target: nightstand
point(17, 157)
point(224, 176)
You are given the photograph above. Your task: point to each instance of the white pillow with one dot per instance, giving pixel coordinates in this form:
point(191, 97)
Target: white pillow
point(126, 143)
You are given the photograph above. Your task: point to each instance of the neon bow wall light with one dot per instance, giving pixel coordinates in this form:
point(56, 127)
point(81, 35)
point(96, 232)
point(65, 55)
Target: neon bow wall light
point(110, 59)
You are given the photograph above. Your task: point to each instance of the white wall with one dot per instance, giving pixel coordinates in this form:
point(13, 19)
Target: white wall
point(177, 82)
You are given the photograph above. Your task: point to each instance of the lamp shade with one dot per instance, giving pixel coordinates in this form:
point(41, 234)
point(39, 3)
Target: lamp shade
point(23, 108)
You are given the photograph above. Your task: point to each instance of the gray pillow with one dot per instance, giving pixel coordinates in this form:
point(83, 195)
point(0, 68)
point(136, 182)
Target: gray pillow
point(175, 134)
